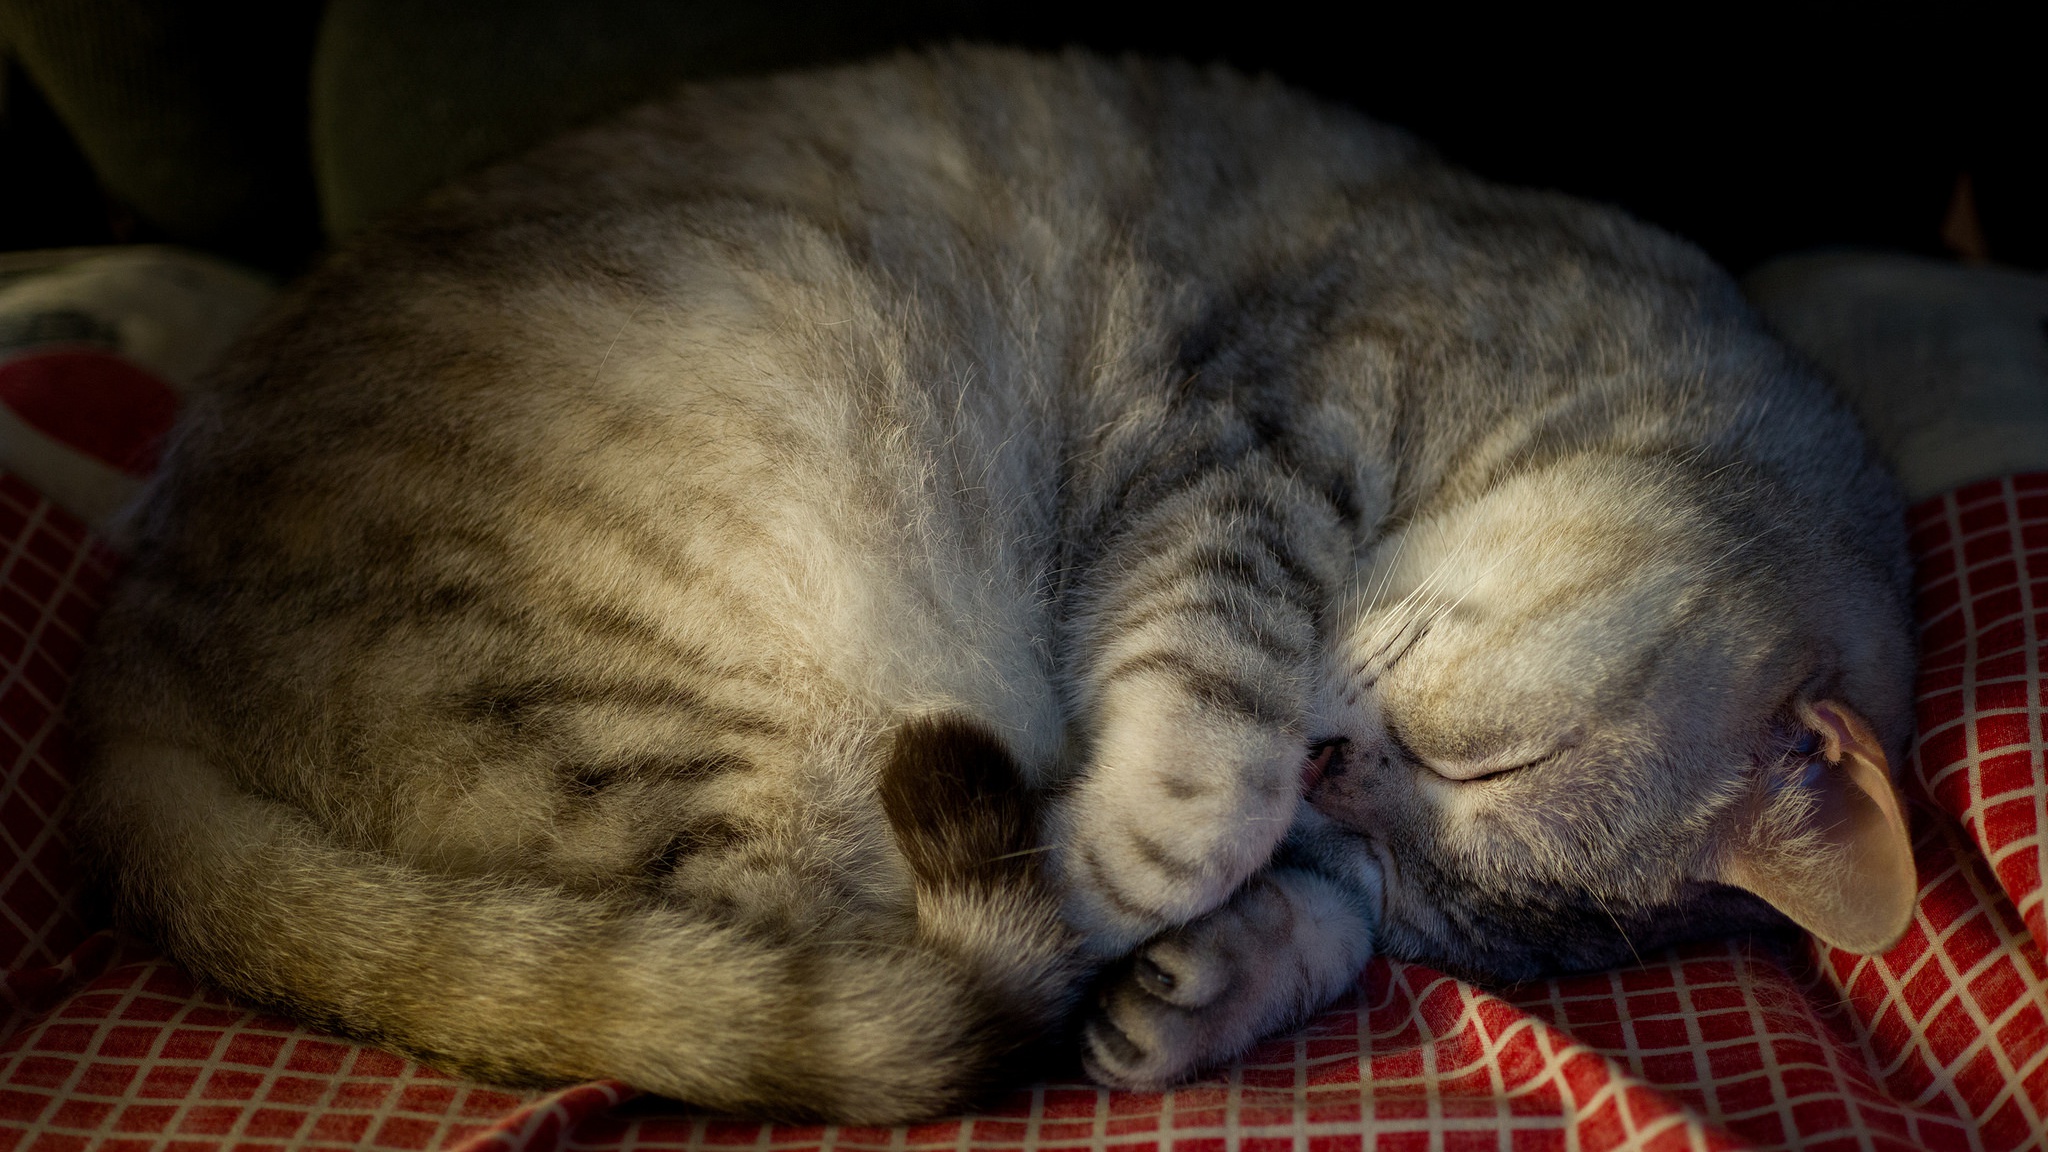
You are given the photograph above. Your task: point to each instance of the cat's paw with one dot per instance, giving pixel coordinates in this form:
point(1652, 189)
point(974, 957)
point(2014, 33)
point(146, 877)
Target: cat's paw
point(1183, 802)
point(1200, 994)
point(1152, 1027)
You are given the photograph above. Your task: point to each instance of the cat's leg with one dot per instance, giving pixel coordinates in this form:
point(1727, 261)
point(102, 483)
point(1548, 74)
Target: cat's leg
point(1285, 945)
point(1198, 641)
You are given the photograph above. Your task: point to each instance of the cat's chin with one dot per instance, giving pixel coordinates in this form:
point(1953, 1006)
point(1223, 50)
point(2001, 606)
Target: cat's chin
point(1599, 943)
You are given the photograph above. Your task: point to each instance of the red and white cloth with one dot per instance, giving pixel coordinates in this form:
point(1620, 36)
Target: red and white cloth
point(1942, 1043)
point(97, 345)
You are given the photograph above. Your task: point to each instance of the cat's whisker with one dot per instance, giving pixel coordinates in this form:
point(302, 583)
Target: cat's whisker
point(597, 373)
point(1581, 871)
point(1388, 637)
point(1401, 617)
point(1714, 566)
point(1472, 586)
point(1385, 578)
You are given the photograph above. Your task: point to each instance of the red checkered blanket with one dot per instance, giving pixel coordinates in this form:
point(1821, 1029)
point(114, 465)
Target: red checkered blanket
point(1941, 1043)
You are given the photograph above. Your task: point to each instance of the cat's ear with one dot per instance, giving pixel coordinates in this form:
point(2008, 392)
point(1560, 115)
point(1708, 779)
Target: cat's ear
point(1843, 870)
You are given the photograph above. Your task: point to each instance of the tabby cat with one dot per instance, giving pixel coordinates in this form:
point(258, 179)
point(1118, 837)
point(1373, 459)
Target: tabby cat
point(798, 595)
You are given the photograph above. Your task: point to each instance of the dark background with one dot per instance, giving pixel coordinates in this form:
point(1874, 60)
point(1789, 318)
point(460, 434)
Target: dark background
point(1753, 132)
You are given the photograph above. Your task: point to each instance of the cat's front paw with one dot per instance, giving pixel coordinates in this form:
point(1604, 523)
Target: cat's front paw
point(1155, 1023)
point(1182, 804)
point(1200, 994)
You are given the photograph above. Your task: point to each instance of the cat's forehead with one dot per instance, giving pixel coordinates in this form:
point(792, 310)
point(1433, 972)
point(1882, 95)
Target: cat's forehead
point(1489, 676)
point(1534, 534)
point(1525, 586)
point(1570, 606)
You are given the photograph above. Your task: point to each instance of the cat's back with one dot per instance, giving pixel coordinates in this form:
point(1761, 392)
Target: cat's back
point(807, 251)
point(740, 416)
point(639, 556)
point(1022, 156)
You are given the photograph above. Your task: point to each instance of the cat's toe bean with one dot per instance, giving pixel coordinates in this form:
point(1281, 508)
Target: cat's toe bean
point(1153, 1021)
point(1181, 972)
point(1109, 1046)
point(1136, 1040)
point(1155, 978)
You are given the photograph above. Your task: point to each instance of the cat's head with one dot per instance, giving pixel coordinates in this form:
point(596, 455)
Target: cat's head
point(1616, 702)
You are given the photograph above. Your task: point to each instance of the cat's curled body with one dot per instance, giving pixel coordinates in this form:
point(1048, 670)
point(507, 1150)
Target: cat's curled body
point(760, 597)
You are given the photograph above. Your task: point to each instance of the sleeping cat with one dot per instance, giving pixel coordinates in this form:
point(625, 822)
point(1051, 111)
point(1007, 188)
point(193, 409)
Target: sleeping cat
point(795, 596)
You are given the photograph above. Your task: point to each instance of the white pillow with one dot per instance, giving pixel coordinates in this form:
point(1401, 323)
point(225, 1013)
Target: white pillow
point(1947, 363)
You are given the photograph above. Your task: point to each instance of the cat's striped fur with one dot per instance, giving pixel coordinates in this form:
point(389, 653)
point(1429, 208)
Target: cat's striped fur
point(759, 598)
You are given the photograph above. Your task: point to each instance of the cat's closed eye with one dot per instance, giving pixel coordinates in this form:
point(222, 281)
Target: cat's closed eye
point(1495, 765)
point(1479, 773)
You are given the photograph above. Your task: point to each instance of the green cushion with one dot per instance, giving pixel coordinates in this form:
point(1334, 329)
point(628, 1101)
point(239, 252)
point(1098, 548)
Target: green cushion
point(192, 112)
point(407, 95)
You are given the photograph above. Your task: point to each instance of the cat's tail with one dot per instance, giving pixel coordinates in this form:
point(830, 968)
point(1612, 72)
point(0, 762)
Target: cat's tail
point(521, 981)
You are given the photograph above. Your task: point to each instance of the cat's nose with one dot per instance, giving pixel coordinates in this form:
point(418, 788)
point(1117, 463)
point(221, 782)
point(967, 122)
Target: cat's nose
point(1337, 780)
point(1325, 759)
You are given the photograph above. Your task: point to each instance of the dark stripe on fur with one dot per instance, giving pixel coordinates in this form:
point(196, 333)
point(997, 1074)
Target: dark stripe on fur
point(1158, 857)
point(715, 834)
point(521, 705)
point(1103, 883)
point(1219, 691)
point(1182, 787)
point(584, 779)
point(1219, 611)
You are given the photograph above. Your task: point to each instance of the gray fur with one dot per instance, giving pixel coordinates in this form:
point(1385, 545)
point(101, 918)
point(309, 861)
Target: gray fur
point(532, 646)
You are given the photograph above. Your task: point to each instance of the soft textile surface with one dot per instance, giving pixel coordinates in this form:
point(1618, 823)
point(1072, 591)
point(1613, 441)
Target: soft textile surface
point(1945, 362)
point(1942, 1043)
point(97, 346)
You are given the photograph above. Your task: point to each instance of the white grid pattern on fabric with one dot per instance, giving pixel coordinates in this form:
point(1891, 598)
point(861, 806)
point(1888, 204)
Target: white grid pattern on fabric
point(45, 559)
point(144, 1054)
point(1934, 1018)
point(1712, 1047)
point(1982, 748)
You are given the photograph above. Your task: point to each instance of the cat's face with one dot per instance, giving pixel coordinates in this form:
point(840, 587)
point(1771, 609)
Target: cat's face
point(1571, 709)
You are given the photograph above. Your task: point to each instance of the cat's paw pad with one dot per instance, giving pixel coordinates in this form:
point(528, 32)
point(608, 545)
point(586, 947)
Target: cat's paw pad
point(1174, 970)
point(1136, 1039)
point(1168, 1013)
point(1201, 994)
